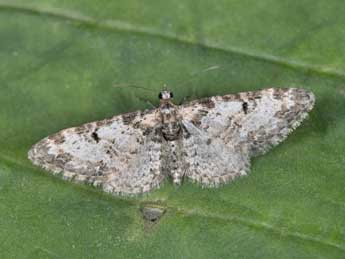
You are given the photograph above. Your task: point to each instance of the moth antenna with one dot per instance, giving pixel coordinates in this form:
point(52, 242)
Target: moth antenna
point(195, 74)
point(133, 86)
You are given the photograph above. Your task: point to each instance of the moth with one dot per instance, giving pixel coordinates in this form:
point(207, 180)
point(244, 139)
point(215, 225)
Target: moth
point(209, 141)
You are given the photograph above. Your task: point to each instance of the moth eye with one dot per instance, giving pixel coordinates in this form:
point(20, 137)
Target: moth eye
point(245, 107)
point(171, 95)
point(160, 95)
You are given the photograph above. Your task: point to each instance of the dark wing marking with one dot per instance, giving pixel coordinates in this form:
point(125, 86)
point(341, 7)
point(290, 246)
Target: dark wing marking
point(248, 123)
point(121, 154)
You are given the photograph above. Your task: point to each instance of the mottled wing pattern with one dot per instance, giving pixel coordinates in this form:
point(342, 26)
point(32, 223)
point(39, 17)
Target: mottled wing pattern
point(242, 126)
point(209, 161)
point(121, 154)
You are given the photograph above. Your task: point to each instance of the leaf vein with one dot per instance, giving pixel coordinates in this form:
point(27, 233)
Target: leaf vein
point(119, 25)
point(235, 219)
point(262, 225)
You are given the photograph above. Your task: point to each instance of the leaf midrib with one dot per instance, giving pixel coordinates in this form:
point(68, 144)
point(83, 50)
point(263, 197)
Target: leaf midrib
point(124, 26)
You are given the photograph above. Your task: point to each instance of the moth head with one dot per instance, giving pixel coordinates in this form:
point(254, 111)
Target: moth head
point(165, 95)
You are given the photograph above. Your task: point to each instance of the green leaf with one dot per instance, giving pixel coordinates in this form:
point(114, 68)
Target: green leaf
point(59, 61)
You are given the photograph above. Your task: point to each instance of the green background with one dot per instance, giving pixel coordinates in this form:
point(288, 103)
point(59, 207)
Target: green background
point(59, 61)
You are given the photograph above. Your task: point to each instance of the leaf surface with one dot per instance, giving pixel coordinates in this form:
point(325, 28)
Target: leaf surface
point(59, 61)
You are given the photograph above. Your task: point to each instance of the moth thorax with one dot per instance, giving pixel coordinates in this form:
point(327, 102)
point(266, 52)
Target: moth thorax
point(171, 131)
point(171, 127)
point(168, 114)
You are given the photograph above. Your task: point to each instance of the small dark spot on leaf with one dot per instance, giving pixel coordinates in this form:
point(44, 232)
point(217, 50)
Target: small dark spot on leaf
point(152, 214)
